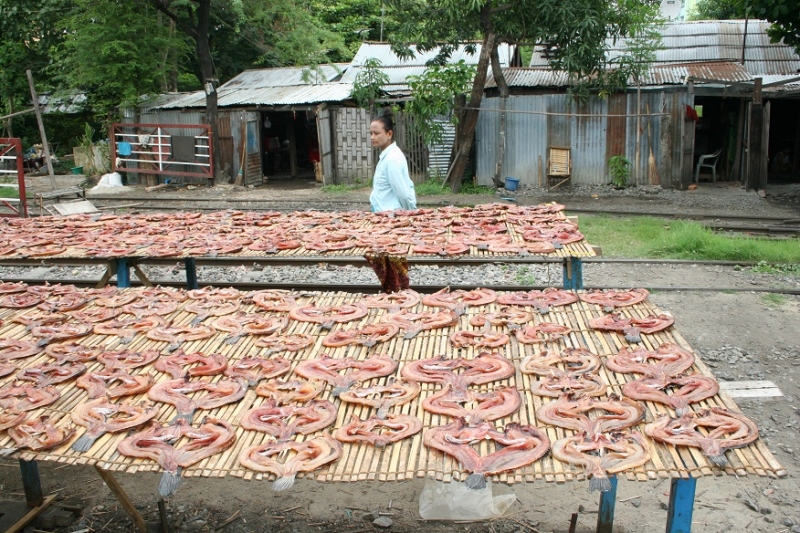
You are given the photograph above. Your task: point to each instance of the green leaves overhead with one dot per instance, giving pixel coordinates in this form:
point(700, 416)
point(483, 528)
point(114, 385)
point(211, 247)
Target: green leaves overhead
point(434, 93)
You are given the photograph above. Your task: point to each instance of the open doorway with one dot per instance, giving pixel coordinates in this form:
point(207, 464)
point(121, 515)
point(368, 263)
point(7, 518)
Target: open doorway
point(289, 144)
point(783, 165)
point(716, 129)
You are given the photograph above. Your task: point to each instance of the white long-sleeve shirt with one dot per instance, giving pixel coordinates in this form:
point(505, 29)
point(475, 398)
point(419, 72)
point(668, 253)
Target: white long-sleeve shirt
point(392, 188)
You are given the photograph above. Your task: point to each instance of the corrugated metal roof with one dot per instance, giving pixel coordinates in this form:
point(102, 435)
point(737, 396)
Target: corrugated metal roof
point(285, 77)
point(383, 52)
point(657, 75)
point(398, 69)
point(65, 103)
point(718, 40)
point(265, 96)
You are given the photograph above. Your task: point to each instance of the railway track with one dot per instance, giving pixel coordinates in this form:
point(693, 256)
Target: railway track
point(43, 267)
point(760, 225)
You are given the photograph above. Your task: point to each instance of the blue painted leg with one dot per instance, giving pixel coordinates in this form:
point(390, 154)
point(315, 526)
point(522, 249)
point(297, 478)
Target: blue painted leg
point(123, 273)
point(191, 273)
point(573, 273)
point(30, 481)
point(681, 504)
point(608, 499)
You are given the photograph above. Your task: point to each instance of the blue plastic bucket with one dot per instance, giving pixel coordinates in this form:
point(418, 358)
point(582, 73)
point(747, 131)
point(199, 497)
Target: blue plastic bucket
point(511, 184)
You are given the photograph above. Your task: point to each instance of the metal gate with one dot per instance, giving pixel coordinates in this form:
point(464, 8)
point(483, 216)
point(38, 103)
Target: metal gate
point(11, 165)
point(181, 150)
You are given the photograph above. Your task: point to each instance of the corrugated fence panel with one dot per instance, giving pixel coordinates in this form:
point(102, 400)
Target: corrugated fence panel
point(589, 135)
point(486, 141)
point(537, 122)
point(526, 139)
point(439, 154)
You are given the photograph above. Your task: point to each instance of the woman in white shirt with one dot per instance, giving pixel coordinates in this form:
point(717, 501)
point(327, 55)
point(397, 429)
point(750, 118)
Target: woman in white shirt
point(392, 188)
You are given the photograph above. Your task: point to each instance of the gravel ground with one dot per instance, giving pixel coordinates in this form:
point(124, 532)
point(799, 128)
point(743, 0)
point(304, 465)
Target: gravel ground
point(741, 334)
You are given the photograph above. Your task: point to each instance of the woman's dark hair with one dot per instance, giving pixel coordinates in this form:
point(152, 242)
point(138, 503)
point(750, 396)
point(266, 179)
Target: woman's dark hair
point(386, 121)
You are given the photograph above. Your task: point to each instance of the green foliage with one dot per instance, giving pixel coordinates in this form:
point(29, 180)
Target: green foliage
point(619, 168)
point(784, 16)
point(113, 51)
point(368, 84)
point(764, 267)
point(434, 93)
point(356, 21)
point(647, 237)
point(431, 187)
point(86, 147)
point(717, 10)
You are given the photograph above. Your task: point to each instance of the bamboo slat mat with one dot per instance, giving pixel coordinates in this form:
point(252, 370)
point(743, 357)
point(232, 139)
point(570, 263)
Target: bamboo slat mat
point(408, 458)
point(223, 225)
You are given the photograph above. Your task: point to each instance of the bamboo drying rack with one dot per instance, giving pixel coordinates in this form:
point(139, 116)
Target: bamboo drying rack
point(408, 458)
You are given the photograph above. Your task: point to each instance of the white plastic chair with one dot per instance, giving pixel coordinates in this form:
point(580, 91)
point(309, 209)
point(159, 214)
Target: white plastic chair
point(708, 161)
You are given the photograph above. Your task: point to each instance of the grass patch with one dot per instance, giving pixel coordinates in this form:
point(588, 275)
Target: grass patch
point(472, 188)
point(9, 192)
point(648, 237)
point(525, 277)
point(431, 187)
point(764, 267)
point(341, 188)
point(773, 300)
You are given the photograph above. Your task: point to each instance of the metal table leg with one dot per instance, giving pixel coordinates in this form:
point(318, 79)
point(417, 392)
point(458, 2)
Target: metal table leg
point(573, 273)
point(681, 504)
point(191, 272)
point(123, 273)
point(608, 499)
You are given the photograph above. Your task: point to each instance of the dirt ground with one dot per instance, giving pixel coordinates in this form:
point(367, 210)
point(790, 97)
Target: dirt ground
point(746, 335)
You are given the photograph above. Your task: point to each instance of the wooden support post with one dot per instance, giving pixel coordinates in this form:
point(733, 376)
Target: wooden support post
point(141, 275)
point(123, 273)
point(110, 271)
point(191, 273)
point(605, 515)
point(681, 505)
point(45, 146)
point(123, 499)
point(292, 147)
point(31, 483)
point(756, 126)
point(573, 273)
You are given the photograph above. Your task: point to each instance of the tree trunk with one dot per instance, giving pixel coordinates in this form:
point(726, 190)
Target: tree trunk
point(210, 81)
point(465, 133)
point(500, 80)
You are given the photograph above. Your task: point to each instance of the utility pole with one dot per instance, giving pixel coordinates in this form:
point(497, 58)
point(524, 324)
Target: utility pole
point(45, 146)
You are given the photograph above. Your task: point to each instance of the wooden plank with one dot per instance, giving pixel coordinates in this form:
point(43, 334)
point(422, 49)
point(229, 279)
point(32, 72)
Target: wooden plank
point(124, 500)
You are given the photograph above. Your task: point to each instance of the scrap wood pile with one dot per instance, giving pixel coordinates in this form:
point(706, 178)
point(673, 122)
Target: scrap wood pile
point(212, 382)
point(485, 230)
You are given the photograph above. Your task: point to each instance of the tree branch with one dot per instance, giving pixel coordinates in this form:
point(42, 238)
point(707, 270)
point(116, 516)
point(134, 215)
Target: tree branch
point(504, 7)
point(162, 6)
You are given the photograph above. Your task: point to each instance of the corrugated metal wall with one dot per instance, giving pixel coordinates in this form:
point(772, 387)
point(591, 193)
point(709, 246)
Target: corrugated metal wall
point(439, 154)
point(537, 122)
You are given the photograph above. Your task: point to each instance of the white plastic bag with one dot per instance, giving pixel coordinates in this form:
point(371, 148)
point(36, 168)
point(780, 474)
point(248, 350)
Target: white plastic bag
point(454, 501)
point(113, 179)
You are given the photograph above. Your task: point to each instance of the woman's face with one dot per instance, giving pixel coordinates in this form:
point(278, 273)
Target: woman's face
point(379, 136)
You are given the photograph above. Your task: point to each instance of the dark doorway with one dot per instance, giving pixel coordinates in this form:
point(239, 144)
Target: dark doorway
point(290, 144)
point(716, 129)
point(783, 165)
